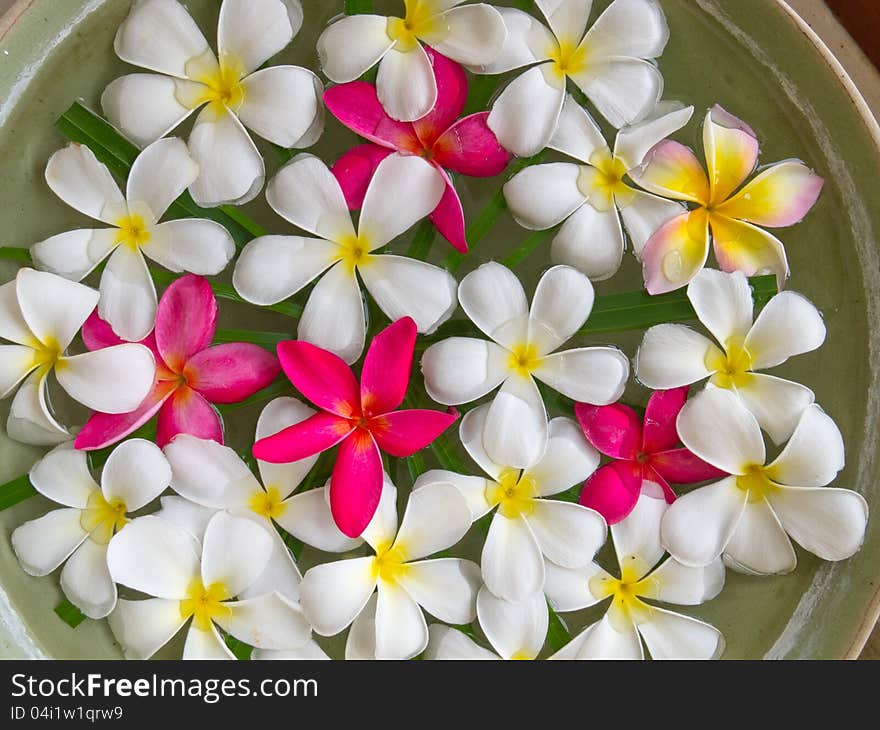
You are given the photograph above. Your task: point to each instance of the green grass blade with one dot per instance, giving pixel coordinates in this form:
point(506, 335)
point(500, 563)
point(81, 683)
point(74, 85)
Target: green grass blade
point(269, 340)
point(358, 7)
point(15, 491)
point(420, 247)
point(557, 632)
point(70, 614)
point(14, 253)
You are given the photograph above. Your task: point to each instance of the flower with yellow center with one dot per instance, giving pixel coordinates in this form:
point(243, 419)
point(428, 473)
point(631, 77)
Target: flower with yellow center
point(205, 605)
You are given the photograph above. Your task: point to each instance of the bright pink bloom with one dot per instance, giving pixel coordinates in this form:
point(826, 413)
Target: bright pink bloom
point(642, 452)
point(190, 375)
point(466, 146)
point(360, 418)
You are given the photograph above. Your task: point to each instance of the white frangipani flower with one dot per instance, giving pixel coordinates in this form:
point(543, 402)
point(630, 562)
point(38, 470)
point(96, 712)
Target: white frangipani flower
point(526, 525)
point(390, 624)
point(281, 104)
point(629, 619)
point(472, 35)
point(158, 176)
point(591, 199)
point(750, 516)
point(611, 64)
point(134, 475)
point(672, 355)
point(403, 190)
point(197, 583)
point(522, 348)
point(41, 313)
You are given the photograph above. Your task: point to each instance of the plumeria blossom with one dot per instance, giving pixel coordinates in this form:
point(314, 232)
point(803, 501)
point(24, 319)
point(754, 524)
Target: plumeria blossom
point(197, 582)
point(361, 419)
point(672, 355)
point(281, 104)
point(190, 374)
point(40, 314)
point(725, 210)
point(611, 63)
point(591, 199)
point(466, 146)
point(90, 518)
point(646, 457)
point(527, 526)
point(750, 516)
point(472, 35)
point(522, 348)
point(632, 616)
point(158, 176)
point(383, 595)
point(272, 268)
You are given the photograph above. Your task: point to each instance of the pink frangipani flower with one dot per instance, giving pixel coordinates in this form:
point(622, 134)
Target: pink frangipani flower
point(466, 146)
point(362, 420)
point(190, 374)
point(644, 454)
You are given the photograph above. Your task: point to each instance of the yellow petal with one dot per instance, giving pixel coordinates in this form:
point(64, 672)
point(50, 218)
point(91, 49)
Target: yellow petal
point(672, 170)
point(731, 152)
point(743, 247)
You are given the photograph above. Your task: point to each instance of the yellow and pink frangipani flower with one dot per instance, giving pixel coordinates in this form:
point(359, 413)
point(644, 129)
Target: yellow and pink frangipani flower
point(725, 212)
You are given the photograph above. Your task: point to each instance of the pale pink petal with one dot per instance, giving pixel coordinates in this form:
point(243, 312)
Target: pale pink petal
point(659, 431)
point(320, 376)
point(186, 320)
point(615, 430)
point(354, 170)
point(357, 106)
point(402, 433)
point(680, 466)
point(387, 366)
point(231, 372)
point(187, 412)
point(448, 217)
point(613, 490)
point(301, 440)
point(452, 88)
point(471, 148)
point(356, 484)
point(104, 429)
point(676, 252)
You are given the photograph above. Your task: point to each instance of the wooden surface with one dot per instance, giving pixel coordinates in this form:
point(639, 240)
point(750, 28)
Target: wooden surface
point(862, 19)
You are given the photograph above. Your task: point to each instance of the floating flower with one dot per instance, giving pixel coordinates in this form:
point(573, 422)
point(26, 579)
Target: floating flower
point(749, 516)
point(190, 374)
point(281, 104)
point(362, 420)
point(134, 475)
point(197, 583)
point(630, 618)
point(466, 146)
point(611, 64)
point(672, 355)
point(462, 369)
point(272, 268)
point(779, 196)
point(158, 176)
point(526, 524)
point(41, 313)
point(390, 624)
point(645, 455)
point(472, 35)
point(590, 199)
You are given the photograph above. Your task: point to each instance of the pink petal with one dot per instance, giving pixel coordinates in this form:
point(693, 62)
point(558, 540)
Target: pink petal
point(615, 430)
point(321, 376)
point(355, 169)
point(402, 433)
point(104, 429)
point(186, 320)
point(387, 366)
point(452, 89)
point(613, 490)
point(357, 106)
point(448, 217)
point(680, 466)
point(471, 148)
point(301, 440)
point(676, 252)
point(187, 412)
point(98, 334)
point(659, 432)
point(231, 372)
point(356, 484)
point(650, 476)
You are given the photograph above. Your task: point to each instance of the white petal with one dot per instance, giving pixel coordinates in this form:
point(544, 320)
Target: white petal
point(401, 631)
point(307, 517)
point(154, 556)
point(562, 302)
point(637, 538)
point(569, 458)
point(144, 627)
point(568, 589)
point(603, 641)
point(462, 369)
point(280, 574)
point(145, 107)
point(634, 142)
point(74, 254)
point(473, 489)
point(112, 380)
point(405, 287)
point(353, 45)
point(777, 404)
point(675, 583)
point(445, 588)
point(672, 355)
point(623, 90)
point(332, 594)
point(279, 414)
point(307, 652)
point(577, 134)
point(128, 296)
point(54, 308)
point(406, 85)
point(759, 544)
point(516, 433)
point(567, 18)
point(723, 303)
point(16, 361)
point(630, 28)
point(63, 476)
point(697, 527)
point(360, 644)
point(670, 635)
point(136, 472)
point(281, 103)
point(30, 420)
point(41, 545)
point(594, 375)
point(512, 565)
point(471, 431)
point(382, 527)
point(75, 175)
point(474, 35)
point(235, 551)
point(525, 115)
point(231, 168)
point(195, 245)
point(447, 643)
point(160, 174)
point(494, 300)
point(814, 454)
point(436, 518)
point(514, 629)
point(788, 325)
point(591, 241)
point(267, 622)
point(644, 214)
point(568, 534)
point(333, 318)
point(204, 645)
point(86, 580)
point(191, 517)
point(255, 30)
point(527, 42)
point(12, 324)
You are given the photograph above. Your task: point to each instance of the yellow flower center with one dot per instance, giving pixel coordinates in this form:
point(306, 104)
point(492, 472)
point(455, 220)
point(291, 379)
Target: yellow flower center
point(103, 519)
point(756, 483)
point(733, 366)
point(389, 564)
point(355, 252)
point(626, 605)
point(514, 493)
point(222, 87)
point(569, 58)
point(421, 19)
point(47, 355)
point(268, 504)
point(204, 604)
point(523, 359)
point(133, 232)
point(602, 181)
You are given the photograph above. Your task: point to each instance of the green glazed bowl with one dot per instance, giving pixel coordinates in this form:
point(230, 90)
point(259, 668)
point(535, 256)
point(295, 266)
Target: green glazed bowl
point(754, 57)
